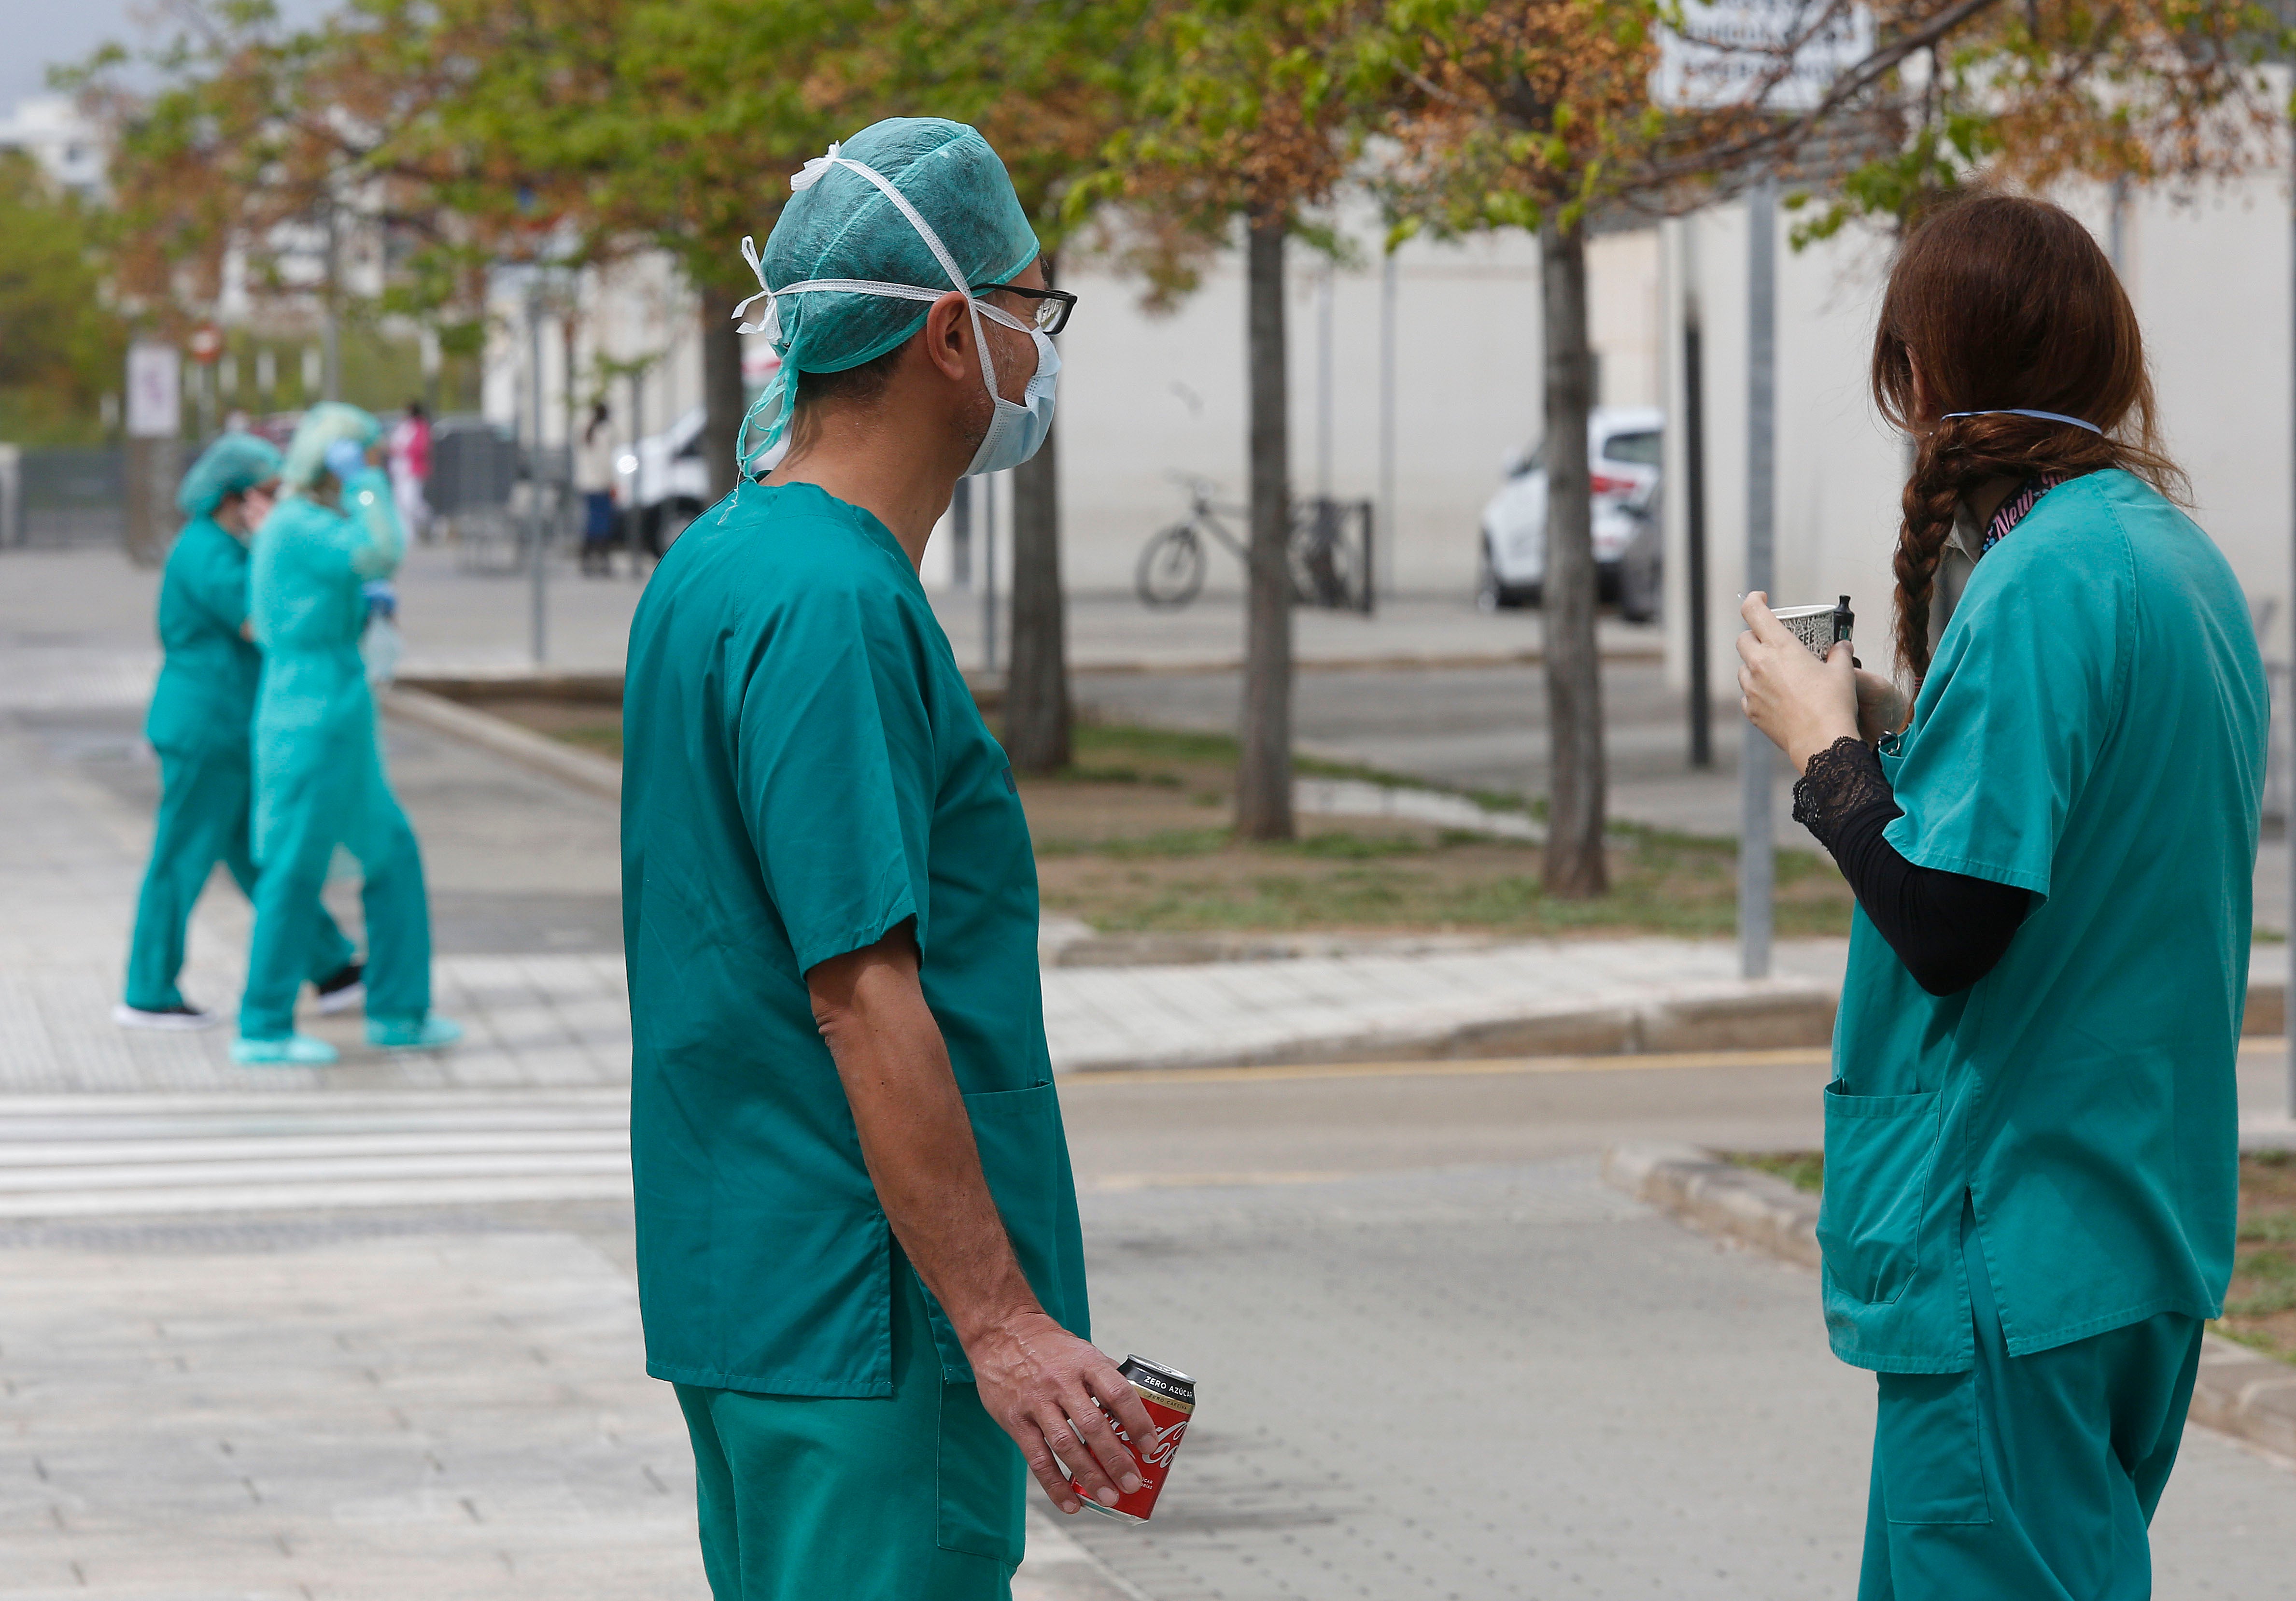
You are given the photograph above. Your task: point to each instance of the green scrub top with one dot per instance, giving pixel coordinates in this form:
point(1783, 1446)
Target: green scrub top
point(205, 699)
point(314, 711)
point(804, 771)
point(2092, 730)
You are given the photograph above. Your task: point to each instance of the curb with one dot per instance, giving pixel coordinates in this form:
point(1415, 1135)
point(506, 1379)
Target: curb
point(535, 751)
point(2238, 1391)
point(1788, 1016)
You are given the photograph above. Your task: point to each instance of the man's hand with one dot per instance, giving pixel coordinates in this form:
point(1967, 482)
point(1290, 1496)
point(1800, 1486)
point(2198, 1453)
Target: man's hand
point(1802, 703)
point(1038, 1380)
point(1048, 1388)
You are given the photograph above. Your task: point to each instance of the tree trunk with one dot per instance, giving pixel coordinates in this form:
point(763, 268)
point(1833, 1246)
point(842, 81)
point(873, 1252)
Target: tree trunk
point(723, 396)
point(1575, 867)
point(1263, 779)
point(1037, 688)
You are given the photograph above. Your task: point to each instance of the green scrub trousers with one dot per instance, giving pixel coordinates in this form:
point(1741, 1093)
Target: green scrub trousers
point(917, 1497)
point(2026, 1478)
point(203, 819)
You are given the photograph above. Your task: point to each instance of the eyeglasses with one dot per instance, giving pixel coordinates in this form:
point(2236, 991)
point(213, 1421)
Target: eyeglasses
point(1050, 314)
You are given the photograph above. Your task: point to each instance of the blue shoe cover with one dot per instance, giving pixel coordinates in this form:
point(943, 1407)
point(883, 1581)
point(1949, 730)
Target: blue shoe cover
point(296, 1050)
point(411, 1033)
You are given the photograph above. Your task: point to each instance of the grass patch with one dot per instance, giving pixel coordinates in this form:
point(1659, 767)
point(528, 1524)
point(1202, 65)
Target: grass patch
point(1804, 1170)
point(1135, 837)
point(2259, 1308)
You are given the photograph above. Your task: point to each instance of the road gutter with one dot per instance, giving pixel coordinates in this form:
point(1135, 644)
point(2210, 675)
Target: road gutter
point(2240, 1391)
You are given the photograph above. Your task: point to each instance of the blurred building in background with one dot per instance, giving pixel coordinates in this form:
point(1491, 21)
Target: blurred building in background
point(69, 148)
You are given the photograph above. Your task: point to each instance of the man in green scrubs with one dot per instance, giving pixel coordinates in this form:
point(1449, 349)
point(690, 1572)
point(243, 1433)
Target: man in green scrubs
point(858, 1253)
point(199, 722)
point(2031, 1183)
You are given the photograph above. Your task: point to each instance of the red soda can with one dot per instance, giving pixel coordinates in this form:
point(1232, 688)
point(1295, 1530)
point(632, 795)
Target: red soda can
point(1170, 1398)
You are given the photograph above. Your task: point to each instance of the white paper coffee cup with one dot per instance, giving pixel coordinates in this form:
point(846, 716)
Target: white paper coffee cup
point(1812, 624)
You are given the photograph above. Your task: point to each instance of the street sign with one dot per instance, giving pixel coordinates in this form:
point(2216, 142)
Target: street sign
point(155, 392)
point(1780, 55)
point(206, 344)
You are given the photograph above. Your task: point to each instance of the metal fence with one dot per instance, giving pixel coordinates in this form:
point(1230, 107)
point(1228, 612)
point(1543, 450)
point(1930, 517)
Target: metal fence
point(58, 497)
point(1332, 554)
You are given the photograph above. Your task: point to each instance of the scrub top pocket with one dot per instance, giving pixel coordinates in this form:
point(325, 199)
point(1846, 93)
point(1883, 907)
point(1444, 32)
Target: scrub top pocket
point(1879, 1151)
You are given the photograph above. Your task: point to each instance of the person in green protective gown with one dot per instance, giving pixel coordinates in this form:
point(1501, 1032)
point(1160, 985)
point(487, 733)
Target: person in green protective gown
point(318, 762)
point(859, 1252)
point(201, 711)
point(2032, 1137)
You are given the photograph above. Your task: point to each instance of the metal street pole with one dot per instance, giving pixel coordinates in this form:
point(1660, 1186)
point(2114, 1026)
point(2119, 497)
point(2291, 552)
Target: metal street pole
point(636, 519)
point(1385, 580)
point(1325, 295)
point(2288, 693)
point(1694, 447)
point(331, 380)
point(988, 570)
point(1757, 860)
point(538, 575)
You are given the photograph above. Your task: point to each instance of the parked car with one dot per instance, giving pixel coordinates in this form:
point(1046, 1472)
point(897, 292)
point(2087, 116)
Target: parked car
point(666, 478)
point(1622, 453)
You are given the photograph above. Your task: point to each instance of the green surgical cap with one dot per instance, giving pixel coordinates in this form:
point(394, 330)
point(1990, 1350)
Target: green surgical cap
point(234, 464)
point(838, 225)
point(322, 426)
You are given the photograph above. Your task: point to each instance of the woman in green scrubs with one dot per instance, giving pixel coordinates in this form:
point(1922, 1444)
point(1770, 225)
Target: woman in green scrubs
point(202, 709)
point(2031, 1138)
point(318, 763)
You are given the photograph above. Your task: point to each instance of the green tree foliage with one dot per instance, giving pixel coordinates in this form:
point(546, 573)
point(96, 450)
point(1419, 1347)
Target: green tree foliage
point(61, 347)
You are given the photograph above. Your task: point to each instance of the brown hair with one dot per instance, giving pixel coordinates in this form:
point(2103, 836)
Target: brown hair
point(1998, 300)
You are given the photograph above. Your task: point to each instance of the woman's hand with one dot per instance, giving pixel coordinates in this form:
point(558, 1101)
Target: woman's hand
point(1802, 703)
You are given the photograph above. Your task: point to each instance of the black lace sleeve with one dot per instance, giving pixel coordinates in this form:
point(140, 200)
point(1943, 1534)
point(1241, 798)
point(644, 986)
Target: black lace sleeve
point(1842, 782)
point(1949, 929)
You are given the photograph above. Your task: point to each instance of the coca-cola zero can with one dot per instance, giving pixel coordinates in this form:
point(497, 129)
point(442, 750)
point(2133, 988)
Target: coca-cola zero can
point(1170, 1399)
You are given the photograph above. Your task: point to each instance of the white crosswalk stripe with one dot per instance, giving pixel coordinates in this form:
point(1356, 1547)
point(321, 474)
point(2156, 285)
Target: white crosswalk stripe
point(94, 1155)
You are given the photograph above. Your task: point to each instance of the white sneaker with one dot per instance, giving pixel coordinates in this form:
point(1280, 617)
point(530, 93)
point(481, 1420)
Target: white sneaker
point(177, 1020)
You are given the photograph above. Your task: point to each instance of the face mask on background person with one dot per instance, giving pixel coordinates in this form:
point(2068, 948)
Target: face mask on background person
point(1016, 429)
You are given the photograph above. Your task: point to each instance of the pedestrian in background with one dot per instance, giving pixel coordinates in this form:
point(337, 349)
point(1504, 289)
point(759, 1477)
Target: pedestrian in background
point(858, 1253)
point(201, 711)
point(318, 762)
point(410, 471)
point(594, 481)
point(2031, 1146)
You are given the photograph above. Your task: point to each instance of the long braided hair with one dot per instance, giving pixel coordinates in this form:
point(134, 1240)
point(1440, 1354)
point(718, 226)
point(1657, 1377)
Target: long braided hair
point(1998, 300)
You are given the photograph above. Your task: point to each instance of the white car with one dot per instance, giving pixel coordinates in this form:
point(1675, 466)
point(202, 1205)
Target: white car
point(1622, 452)
point(667, 479)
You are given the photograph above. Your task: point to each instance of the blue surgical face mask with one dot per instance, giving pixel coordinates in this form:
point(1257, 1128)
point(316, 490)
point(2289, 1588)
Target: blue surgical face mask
point(1016, 430)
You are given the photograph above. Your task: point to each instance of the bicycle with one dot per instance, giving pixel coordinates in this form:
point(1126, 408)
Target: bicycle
point(1326, 570)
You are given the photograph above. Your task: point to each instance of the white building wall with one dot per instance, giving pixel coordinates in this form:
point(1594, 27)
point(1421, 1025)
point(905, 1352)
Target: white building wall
point(2210, 282)
point(1146, 398)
